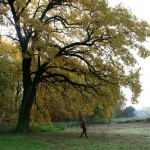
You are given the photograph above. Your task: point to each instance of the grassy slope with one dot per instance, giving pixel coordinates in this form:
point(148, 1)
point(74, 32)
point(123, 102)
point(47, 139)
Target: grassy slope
point(101, 137)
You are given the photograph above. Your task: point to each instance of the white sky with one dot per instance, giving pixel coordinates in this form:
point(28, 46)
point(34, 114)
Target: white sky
point(141, 8)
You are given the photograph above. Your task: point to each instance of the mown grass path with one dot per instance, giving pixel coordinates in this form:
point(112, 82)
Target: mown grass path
point(129, 136)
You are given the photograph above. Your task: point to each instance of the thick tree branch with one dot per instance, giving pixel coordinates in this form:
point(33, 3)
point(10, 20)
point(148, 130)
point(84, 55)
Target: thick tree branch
point(50, 6)
point(23, 43)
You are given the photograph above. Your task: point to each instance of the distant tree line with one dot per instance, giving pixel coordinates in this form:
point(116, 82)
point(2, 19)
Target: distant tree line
point(143, 112)
point(126, 112)
point(131, 112)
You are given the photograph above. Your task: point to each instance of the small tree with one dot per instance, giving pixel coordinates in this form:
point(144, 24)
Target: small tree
point(129, 112)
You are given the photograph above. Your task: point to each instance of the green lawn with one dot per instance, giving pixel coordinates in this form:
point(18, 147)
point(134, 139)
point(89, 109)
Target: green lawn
point(21, 142)
point(128, 136)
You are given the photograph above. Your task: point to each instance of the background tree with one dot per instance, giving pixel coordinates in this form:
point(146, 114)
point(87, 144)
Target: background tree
point(9, 78)
point(118, 112)
point(129, 112)
point(69, 43)
point(98, 116)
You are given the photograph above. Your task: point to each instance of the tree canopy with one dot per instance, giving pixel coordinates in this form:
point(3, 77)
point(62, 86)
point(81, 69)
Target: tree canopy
point(76, 52)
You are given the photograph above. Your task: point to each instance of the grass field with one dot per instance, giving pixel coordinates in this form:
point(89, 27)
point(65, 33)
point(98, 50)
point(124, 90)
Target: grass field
point(127, 136)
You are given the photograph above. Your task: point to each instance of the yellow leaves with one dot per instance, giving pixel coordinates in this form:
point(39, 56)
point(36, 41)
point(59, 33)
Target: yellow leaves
point(32, 22)
point(40, 115)
point(20, 3)
point(142, 30)
point(5, 46)
point(74, 16)
point(71, 68)
point(143, 52)
point(11, 49)
point(9, 77)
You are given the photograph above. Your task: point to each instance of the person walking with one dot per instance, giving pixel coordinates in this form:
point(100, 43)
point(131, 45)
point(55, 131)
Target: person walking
point(83, 126)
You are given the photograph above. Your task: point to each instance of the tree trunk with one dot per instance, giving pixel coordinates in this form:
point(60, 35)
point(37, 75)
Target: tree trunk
point(25, 110)
point(28, 97)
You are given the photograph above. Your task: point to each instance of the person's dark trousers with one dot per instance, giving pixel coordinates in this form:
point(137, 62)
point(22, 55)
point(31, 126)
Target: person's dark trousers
point(84, 132)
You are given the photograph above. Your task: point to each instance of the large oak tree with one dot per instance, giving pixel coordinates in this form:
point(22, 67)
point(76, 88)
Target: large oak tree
point(83, 50)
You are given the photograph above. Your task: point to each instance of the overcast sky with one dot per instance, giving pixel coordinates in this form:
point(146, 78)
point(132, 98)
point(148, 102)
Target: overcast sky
point(141, 8)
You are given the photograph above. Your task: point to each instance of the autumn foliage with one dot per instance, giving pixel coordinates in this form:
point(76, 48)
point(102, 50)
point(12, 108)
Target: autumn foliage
point(75, 57)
